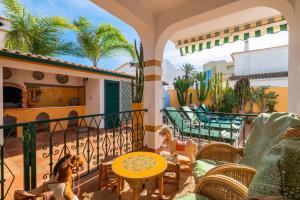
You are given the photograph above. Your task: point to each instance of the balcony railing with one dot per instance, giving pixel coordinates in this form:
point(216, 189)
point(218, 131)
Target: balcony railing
point(29, 161)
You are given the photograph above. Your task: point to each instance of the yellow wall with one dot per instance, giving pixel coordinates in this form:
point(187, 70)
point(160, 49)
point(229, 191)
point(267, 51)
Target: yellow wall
point(282, 106)
point(57, 96)
point(24, 115)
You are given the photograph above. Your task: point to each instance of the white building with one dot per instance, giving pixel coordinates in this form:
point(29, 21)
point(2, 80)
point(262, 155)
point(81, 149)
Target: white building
point(169, 71)
point(220, 66)
point(263, 67)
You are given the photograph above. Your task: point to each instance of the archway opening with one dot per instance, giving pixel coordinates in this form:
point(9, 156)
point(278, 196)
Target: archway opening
point(72, 123)
point(12, 97)
point(251, 43)
point(45, 126)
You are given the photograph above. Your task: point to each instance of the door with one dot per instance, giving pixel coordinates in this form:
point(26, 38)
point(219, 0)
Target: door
point(111, 103)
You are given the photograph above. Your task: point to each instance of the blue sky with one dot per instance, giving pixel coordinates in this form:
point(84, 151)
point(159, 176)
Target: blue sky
point(72, 9)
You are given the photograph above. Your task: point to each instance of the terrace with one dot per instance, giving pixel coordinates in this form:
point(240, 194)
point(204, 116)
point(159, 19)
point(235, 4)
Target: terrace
point(28, 161)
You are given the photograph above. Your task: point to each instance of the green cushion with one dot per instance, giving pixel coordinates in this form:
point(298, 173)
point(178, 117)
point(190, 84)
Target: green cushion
point(201, 167)
point(192, 197)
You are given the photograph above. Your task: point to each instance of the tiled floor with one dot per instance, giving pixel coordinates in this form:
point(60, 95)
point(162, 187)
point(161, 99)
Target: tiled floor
point(150, 192)
point(88, 150)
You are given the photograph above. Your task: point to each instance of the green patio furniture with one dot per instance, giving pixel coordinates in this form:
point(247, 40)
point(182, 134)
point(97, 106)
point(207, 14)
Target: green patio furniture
point(198, 132)
point(198, 116)
point(237, 120)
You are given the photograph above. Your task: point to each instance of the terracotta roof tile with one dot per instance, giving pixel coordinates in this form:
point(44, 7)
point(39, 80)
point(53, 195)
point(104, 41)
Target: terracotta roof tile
point(58, 62)
point(260, 76)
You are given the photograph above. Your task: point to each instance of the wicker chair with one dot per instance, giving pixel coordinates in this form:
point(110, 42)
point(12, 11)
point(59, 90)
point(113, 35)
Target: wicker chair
point(242, 173)
point(220, 151)
point(221, 187)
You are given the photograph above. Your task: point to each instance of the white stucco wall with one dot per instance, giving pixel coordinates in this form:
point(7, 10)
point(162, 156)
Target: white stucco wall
point(261, 61)
point(170, 72)
point(278, 82)
point(24, 76)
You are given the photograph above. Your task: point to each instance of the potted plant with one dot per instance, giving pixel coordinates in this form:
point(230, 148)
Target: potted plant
point(137, 86)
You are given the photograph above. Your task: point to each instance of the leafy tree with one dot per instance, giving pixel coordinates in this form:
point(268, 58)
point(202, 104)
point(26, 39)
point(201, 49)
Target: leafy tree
point(229, 100)
point(259, 97)
point(37, 35)
point(96, 42)
point(188, 70)
point(271, 101)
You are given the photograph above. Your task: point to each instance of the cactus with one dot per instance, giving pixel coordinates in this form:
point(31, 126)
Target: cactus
point(137, 84)
point(182, 86)
point(202, 89)
point(217, 90)
point(242, 92)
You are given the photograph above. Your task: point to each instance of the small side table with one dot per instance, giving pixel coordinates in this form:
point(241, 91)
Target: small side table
point(135, 168)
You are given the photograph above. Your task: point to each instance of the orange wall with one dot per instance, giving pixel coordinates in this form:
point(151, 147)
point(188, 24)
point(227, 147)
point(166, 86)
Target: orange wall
point(282, 106)
point(24, 115)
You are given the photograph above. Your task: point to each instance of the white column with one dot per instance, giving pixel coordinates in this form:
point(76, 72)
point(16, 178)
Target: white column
point(153, 103)
point(294, 62)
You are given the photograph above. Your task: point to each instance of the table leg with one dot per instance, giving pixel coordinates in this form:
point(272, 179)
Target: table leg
point(160, 181)
point(136, 186)
point(119, 186)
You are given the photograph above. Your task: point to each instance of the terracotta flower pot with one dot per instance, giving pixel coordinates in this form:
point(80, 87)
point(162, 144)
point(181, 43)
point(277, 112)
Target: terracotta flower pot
point(138, 126)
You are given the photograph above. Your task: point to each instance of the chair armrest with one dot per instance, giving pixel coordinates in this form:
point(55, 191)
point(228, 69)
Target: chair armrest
point(221, 152)
point(221, 187)
point(242, 173)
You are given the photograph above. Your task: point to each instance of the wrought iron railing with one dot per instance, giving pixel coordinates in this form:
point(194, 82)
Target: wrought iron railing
point(29, 161)
point(201, 126)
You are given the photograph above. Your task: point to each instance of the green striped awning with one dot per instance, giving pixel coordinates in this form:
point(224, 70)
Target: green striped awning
point(240, 32)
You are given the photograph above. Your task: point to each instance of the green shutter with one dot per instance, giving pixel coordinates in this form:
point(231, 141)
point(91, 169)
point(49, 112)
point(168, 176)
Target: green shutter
point(217, 42)
point(200, 46)
point(235, 38)
point(283, 27)
point(270, 30)
point(258, 33)
point(246, 36)
point(193, 48)
point(208, 45)
point(226, 39)
point(186, 49)
point(181, 52)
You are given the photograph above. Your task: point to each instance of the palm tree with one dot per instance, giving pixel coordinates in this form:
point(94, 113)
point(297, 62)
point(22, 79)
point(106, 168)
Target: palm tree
point(37, 35)
point(188, 70)
point(96, 42)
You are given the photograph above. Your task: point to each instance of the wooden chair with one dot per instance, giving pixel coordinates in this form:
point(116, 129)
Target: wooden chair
point(106, 175)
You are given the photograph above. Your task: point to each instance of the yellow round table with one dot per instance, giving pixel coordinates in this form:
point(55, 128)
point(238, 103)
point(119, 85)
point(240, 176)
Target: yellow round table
point(137, 167)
